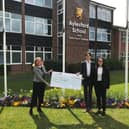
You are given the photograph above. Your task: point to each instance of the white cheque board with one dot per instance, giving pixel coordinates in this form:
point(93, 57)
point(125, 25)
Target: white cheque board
point(65, 80)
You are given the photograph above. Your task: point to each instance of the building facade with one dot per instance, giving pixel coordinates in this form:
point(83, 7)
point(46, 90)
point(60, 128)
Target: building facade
point(36, 28)
point(28, 32)
point(100, 30)
point(75, 29)
point(119, 43)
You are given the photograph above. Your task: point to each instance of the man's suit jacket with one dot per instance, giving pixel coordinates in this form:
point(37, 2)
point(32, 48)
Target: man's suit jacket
point(84, 72)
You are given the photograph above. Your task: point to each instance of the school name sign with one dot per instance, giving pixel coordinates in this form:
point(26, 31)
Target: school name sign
point(78, 27)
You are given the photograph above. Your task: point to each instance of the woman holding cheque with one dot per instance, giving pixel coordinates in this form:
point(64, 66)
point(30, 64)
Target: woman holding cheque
point(39, 84)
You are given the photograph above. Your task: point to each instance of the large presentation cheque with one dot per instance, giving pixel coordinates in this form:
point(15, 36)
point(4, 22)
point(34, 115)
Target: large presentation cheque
point(65, 80)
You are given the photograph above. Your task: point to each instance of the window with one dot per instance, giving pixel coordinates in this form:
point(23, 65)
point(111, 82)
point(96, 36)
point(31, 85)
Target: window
point(91, 33)
point(16, 57)
point(105, 53)
point(42, 3)
point(48, 3)
point(38, 26)
point(39, 2)
point(104, 14)
point(18, 0)
point(44, 53)
point(1, 24)
point(1, 57)
point(29, 57)
point(123, 37)
point(103, 35)
point(12, 22)
point(29, 24)
point(60, 18)
point(13, 55)
point(92, 11)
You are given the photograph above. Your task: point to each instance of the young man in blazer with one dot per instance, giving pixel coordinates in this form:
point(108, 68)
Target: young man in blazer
point(87, 71)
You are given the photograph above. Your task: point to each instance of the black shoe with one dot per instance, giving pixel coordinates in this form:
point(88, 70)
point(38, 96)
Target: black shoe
point(98, 112)
point(31, 112)
point(39, 110)
point(103, 113)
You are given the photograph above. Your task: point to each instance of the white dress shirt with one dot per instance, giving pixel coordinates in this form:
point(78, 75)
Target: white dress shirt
point(88, 66)
point(99, 73)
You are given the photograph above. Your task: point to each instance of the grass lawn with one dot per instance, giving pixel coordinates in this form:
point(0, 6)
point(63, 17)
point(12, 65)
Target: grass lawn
point(24, 81)
point(18, 118)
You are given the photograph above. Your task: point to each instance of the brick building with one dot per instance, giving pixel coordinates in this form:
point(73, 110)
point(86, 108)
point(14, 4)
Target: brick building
point(35, 28)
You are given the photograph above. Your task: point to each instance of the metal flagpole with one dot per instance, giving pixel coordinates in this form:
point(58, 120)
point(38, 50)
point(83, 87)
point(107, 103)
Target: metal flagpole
point(126, 56)
point(4, 50)
point(63, 53)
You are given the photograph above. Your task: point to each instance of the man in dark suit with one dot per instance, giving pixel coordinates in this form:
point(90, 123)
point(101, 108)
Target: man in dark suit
point(87, 71)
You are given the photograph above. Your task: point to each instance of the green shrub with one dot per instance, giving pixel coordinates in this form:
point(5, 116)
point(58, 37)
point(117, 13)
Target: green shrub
point(113, 64)
point(73, 68)
point(56, 66)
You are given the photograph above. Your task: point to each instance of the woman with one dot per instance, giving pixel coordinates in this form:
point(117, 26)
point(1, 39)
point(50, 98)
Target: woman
point(102, 82)
point(39, 84)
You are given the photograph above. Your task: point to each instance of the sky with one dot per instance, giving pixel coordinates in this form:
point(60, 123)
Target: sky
point(119, 12)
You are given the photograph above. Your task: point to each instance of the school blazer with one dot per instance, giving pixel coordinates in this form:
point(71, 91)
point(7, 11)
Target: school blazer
point(105, 77)
point(84, 72)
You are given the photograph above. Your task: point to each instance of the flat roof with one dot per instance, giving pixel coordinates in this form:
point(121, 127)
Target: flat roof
point(102, 5)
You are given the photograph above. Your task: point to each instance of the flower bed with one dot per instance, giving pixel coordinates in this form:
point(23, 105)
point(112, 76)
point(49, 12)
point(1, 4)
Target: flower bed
point(60, 102)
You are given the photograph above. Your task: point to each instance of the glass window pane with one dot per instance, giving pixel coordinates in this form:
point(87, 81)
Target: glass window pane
point(29, 1)
point(16, 26)
point(39, 54)
point(7, 15)
point(15, 16)
point(29, 57)
point(7, 21)
point(18, 0)
point(39, 28)
point(92, 12)
point(48, 3)
point(16, 57)
point(8, 57)
point(38, 20)
point(1, 57)
point(29, 18)
point(47, 56)
point(1, 13)
point(1, 24)
point(39, 2)
point(29, 27)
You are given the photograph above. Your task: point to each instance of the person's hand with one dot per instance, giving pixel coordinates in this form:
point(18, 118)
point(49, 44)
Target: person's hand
point(51, 70)
point(78, 73)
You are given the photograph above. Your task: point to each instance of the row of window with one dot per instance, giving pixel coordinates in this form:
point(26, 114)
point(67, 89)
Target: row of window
point(123, 56)
point(41, 3)
point(101, 53)
point(102, 13)
point(123, 36)
point(14, 54)
point(102, 34)
point(33, 25)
